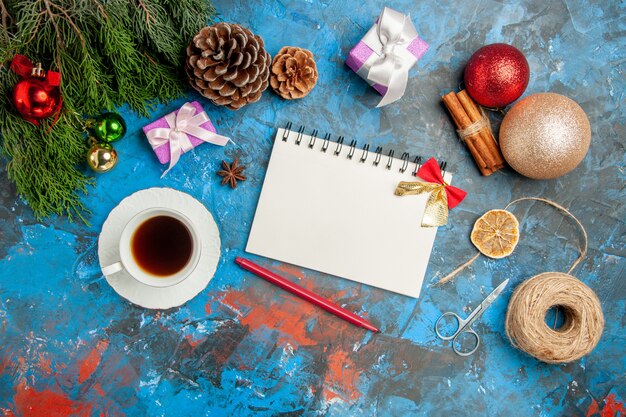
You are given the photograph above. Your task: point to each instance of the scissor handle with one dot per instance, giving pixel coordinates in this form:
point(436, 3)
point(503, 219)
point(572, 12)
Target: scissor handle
point(456, 341)
point(459, 321)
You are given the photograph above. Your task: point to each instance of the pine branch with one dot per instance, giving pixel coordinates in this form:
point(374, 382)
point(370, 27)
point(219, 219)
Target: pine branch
point(109, 53)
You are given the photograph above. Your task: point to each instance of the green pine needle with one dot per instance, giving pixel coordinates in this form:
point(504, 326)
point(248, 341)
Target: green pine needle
point(109, 53)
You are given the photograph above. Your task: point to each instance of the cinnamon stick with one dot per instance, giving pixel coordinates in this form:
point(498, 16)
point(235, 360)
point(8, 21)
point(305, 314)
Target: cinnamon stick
point(482, 166)
point(480, 152)
point(466, 122)
point(487, 135)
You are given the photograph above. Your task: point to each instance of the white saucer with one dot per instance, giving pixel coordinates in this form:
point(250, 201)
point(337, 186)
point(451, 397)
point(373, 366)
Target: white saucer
point(144, 295)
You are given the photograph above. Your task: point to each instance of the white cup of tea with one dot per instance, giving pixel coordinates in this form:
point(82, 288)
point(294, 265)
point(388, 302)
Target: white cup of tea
point(158, 247)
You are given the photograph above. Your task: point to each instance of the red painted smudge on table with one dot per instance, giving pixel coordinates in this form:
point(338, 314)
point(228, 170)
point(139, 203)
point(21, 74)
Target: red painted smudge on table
point(289, 270)
point(22, 365)
point(341, 377)
point(47, 403)
point(116, 371)
point(44, 364)
point(6, 412)
point(299, 324)
point(285, 312)
point(49, 400)
point(98, 389)
point(89, 365)
point(4, 364)
point(192, 341)
point(593, 408)
point(127, 375)
point(288, 317)
point(611, 408)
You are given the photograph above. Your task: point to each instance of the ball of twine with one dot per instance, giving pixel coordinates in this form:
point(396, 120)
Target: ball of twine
point(525, 318)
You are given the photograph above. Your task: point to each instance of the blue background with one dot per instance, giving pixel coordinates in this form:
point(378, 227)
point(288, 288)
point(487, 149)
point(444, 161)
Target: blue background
point(69, 345)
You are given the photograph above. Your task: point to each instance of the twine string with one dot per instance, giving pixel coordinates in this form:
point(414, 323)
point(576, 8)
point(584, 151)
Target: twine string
point(525, 323)
point(583, 250)
point(583, 323)
point(458, 269)
point(476, 127)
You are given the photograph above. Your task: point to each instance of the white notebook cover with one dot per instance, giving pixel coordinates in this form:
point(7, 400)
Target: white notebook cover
point(340, 216)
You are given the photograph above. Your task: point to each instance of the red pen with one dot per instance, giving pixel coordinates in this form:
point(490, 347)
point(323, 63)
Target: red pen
point(305, 294)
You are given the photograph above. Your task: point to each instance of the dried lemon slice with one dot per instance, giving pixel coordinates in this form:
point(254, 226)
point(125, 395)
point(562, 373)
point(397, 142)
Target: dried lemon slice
point(496, 233)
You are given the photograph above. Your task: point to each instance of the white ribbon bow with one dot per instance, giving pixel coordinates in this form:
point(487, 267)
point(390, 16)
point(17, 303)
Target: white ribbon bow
point(183, 124)
point(394, 33)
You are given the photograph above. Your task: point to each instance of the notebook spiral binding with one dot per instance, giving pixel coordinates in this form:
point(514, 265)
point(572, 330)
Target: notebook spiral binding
point(365, 151)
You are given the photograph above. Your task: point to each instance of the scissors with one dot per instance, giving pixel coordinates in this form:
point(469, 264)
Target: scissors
point(464, 327)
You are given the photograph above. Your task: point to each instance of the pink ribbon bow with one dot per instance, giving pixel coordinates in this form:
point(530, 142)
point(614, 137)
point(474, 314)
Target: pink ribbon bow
point(183, 124)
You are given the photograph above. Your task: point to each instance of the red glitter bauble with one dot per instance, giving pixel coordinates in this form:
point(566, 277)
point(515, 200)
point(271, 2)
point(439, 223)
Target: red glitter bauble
point(34, 98)
point(496, 75)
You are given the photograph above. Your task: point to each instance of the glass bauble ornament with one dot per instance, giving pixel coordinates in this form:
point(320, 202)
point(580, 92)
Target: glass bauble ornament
point(108, 127)
point(496, 75)
point(101, 157)
point(545, 136)
point(35, 97)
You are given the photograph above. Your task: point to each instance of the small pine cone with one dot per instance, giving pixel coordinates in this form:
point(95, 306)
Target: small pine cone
point(228, 64)
point(294, 72)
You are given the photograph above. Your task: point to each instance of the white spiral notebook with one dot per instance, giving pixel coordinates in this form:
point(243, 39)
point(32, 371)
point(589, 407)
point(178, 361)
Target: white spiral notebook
point(330, 206)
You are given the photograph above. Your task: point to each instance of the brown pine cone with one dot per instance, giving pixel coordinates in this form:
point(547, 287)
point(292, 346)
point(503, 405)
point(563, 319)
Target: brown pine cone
point(294, 72)
point(228, 64)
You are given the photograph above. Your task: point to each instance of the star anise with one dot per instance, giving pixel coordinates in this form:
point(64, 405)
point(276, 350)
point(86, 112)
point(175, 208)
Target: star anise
point(232, 173)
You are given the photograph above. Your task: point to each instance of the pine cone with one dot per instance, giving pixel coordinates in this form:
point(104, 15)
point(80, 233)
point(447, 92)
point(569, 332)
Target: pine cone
point(228, 64)
point(294, 72)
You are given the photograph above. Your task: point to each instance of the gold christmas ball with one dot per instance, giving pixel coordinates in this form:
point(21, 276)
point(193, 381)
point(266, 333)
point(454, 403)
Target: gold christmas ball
point(545, 136)
point(101, 157)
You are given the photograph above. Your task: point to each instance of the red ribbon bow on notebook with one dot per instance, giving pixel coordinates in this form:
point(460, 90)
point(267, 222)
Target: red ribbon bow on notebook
point(442, 196)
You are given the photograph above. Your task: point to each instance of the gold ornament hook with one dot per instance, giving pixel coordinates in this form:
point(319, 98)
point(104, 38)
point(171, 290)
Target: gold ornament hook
point(38, 71)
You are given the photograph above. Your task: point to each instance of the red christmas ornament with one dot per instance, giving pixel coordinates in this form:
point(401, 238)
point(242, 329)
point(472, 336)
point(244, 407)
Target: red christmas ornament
point(37, 95)
point(496, 75)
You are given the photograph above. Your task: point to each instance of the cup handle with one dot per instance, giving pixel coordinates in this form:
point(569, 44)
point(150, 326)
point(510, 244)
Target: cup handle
point(112, 269)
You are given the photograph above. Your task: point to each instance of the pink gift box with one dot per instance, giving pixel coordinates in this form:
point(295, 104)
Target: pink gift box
point(163, 152)
point(361, 53)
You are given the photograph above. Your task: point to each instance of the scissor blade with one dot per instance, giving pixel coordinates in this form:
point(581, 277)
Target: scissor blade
point(494, 294)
